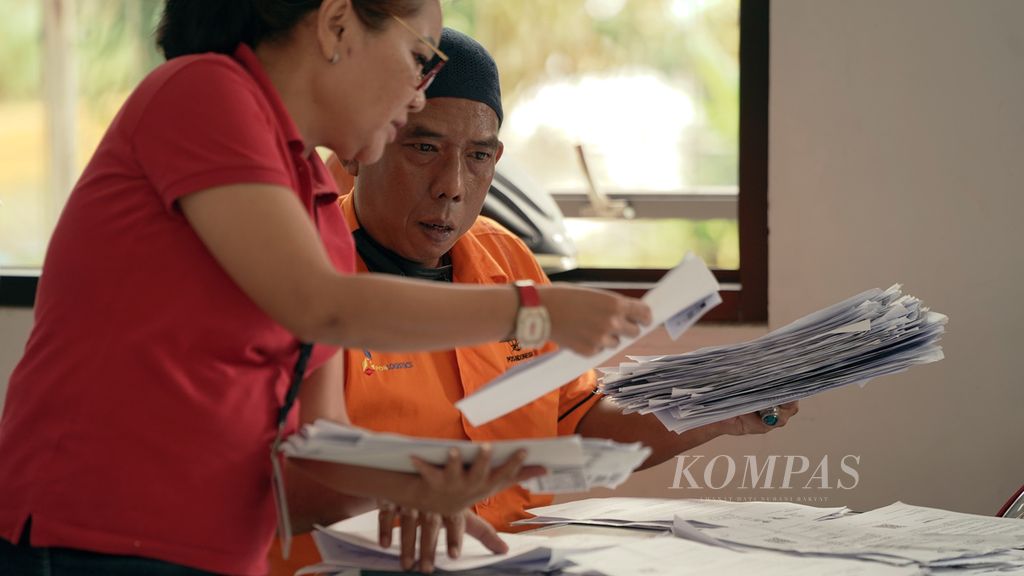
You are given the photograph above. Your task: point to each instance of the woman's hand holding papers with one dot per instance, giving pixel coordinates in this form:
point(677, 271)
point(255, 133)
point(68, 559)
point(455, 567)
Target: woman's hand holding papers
point(587, 321)
point(443, 499)
point(451, 489)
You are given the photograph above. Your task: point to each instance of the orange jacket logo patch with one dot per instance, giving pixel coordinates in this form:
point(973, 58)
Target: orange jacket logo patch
point(370, 368)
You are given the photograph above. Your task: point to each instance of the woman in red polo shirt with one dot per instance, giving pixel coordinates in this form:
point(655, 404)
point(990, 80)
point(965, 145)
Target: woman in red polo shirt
point(201, 244)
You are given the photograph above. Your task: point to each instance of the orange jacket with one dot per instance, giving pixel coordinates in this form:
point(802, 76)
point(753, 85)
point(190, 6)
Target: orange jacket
point(414, 393)
point(419, 400)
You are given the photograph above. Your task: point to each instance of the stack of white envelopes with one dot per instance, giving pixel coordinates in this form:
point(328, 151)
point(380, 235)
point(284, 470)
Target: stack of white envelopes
point(875, 333)
point(573, 463)
point(352, 543)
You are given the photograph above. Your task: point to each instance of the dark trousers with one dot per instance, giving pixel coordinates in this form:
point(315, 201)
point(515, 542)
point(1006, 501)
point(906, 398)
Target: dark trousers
point(24, 560)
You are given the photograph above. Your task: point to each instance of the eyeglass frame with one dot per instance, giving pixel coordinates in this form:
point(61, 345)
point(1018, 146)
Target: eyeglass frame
point(426, 77)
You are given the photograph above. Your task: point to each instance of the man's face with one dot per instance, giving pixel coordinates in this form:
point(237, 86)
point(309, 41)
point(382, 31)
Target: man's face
point(428, 188)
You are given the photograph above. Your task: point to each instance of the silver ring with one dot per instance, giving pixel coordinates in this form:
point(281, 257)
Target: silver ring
point(769, 416)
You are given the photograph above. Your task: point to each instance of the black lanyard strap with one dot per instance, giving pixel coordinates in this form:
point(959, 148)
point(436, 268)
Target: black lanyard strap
point(298, 374)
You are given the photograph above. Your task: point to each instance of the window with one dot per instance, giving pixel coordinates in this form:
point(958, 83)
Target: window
point(65, 69)
point(629, 114)
point(650, 90)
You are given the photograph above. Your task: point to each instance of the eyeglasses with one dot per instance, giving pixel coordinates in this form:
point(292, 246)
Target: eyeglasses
point(430, 67)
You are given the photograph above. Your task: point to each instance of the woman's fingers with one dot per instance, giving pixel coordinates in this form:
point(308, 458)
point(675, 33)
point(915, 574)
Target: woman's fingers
point(452, 488)
point(610, 341)
point(527, 472)
point(587, 321)
point(631, 317)
point(481, 465)
point(480, 529)
point(507, 472)
point(409, 522)
point(385, 522)
point(434, 477)
point(453, 467)
point(629, 329)
point(454, 527)
point(430, 524)
point(639, 313)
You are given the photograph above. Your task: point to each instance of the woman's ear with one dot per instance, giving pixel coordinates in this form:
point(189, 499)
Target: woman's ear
point(332, 18)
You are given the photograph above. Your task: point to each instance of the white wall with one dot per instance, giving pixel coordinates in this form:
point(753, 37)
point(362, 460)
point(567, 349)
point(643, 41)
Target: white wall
point(894, 158)
point(896, 155)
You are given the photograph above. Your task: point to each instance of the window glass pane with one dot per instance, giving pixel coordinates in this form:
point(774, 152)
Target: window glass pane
point(65, 69)
point(653, 243)
point(648, 88)
point(21, 138)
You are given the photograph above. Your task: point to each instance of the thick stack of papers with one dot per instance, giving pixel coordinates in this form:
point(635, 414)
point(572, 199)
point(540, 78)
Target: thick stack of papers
point(875, 333)
point(661, 513)
point(896, 535)
point(790, 538)
point(685, 294)
point(353, 543)
point(675, 557)
point(717, 537)
point(574, 464)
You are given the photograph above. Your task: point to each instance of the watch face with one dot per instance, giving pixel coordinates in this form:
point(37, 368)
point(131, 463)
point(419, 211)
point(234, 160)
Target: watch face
point(532, 325)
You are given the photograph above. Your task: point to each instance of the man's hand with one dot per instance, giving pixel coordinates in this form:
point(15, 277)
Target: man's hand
point(752, 424)
point(423, 528)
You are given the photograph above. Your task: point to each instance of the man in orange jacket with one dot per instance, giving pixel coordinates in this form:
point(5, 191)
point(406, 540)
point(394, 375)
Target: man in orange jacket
point(417, 213)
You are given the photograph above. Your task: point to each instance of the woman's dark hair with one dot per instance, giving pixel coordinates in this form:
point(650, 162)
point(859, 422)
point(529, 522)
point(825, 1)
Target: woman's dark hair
point(197, 26)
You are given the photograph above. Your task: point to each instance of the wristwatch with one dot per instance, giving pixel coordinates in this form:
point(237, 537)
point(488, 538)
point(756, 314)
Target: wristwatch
point(533, 325)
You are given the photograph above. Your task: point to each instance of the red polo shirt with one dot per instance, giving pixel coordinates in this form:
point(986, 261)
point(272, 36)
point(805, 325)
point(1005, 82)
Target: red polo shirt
point(139, 419)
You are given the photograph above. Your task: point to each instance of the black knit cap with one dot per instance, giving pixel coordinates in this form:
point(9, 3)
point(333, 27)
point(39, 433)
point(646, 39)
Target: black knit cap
point(470, 72)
